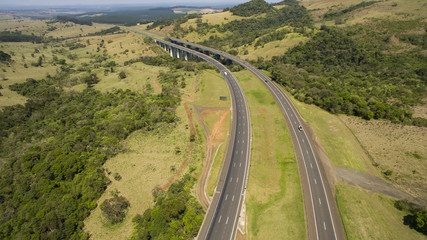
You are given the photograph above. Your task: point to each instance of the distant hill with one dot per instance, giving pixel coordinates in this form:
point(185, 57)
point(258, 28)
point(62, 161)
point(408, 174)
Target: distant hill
point(251, 8)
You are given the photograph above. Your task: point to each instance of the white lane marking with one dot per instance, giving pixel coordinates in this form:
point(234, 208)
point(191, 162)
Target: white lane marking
point(237, 180)
point(295, 122)
point(242, 152)
point(320, 202)
point(240, 164)
point(226, 196)
point(243, 141)
point(238, 141)
point(232, 199)
point(243, 132)
point(311, 165)
point(315, 181)
point(324, 226)
point(226, 222)
point(219, 219)
point(231, 179)
point(303, 140)
point(234, 164)
point(306, 151)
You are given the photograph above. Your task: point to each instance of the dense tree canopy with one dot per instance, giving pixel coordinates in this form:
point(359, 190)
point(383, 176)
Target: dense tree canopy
point(53, 149)
point(251, 8)
point(4, 57)
point(345, 70)
point(176, 214)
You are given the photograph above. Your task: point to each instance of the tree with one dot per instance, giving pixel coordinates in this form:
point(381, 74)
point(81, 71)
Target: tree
point(90, 79)
point(122, 75)
point(421, 221)
point(114, 209)
point(4, 57)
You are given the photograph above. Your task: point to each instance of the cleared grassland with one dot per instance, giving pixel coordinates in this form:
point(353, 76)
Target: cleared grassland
point(271, 49)
point(66, 30)
point(274, 203)
point(25, 26)
point(212, 86)
point(117, 47)
point(368, 215)
point(17, 73)
point(400, 149)
point(383, 9)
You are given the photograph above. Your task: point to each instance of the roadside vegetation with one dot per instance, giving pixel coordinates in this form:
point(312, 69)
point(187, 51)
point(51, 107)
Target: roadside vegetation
point(359, 70)
point(274, 191)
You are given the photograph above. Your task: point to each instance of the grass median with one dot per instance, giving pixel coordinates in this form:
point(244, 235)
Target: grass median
point(274, 202)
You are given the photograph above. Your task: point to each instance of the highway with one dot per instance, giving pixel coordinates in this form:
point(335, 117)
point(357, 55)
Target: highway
point(322, 217)
point(222, 217)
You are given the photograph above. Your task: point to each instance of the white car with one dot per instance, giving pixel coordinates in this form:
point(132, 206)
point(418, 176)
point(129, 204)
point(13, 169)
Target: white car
point(300, 127)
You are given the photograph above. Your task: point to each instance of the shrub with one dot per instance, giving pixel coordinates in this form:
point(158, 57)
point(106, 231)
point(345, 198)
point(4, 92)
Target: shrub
point(114, 209)
point(122, 75)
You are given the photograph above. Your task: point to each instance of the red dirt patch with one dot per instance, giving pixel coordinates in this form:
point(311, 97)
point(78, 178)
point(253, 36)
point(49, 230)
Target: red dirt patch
point(190, 150)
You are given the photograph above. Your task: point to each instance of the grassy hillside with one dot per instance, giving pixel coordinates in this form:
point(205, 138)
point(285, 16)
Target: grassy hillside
point(81, 97)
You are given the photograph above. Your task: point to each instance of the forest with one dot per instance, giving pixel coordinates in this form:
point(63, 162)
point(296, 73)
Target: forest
point(348, 70)
point(251, 8)
point(175, 215)
point(54, 147)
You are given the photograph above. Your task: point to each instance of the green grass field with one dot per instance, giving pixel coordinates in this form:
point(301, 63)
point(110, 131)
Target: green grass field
point(368, 215)
point(211, 87)
point(274, 204)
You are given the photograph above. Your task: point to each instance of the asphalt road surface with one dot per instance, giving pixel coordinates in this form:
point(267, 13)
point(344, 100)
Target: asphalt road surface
point(321, 213)
point(222, 217)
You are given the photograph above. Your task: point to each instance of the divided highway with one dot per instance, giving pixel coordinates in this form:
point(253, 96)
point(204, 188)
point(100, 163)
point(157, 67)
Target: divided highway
point(222, 217)
point(322, 217)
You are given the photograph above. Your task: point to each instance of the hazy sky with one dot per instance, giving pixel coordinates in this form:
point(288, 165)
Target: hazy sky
point(113, 2)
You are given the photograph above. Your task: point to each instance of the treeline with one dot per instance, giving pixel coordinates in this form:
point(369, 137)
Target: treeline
point(347, 70)
point(175, 215)
point(133, 16)
point(80, 21)
point(251, 8)
point(173, 63)
point(17, 36)
point(110, 30)
point(332, 14)
point(53, 148)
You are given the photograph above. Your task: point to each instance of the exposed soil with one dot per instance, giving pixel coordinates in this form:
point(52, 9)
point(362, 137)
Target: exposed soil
point(210, 146)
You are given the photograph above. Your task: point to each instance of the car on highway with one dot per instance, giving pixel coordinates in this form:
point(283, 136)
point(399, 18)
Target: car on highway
point(300, 127)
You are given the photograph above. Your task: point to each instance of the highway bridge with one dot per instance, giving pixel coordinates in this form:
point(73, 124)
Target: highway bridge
point(221, 220)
